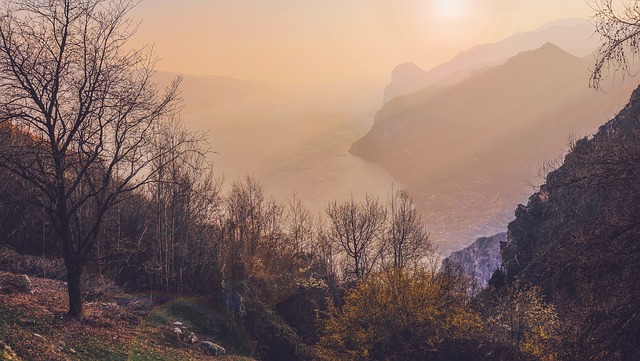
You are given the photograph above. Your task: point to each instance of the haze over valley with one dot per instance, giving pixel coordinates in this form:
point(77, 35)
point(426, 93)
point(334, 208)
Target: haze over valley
point(461, 137)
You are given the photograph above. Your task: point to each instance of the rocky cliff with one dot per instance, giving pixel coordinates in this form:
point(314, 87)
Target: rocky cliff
point(480, 259)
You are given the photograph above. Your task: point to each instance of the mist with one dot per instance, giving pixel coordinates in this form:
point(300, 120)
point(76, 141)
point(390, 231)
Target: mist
point(292, 139)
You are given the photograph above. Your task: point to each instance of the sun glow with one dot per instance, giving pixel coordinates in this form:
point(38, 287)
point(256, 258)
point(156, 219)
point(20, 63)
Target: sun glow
point(448, 10)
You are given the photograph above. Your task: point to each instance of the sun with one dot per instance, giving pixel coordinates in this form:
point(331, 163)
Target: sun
point(448, 10)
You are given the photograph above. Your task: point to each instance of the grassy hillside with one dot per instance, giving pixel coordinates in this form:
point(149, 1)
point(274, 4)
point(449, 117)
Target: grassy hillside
point(33, 326)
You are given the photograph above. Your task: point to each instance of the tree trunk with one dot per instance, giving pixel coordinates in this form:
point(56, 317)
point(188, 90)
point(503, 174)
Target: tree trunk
point(74, 285)
point(74, 267)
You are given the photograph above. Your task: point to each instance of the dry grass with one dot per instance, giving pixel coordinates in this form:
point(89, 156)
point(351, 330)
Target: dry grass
point(35, 326)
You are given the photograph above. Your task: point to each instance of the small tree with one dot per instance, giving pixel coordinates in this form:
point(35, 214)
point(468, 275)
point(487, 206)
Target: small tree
point(82, 114)
point(356, 228)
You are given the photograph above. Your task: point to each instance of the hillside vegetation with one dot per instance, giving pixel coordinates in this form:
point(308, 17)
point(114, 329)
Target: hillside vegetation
point(577, 238)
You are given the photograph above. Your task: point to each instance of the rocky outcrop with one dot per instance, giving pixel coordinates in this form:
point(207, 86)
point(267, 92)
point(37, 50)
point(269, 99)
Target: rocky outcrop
point(212, 349)
point(480, 259)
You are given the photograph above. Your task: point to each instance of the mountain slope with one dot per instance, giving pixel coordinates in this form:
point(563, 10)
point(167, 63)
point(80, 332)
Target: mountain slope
point(574, 35)
point(468, 151)
point(33, 326)
point(579, 239)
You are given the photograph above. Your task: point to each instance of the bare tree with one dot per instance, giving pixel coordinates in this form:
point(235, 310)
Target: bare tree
point(298, 225)
point(406, 239)
point(356, 228)
point(618, 24)
point(82, 111)
point(184, 194)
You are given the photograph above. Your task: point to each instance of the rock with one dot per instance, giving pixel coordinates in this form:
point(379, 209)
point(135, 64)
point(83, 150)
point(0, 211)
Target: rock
point(192, 338)
point(16, 284)
point(177, 323)
point(212, 349)
point(480, 259)
point(108, 305)
point(27, 321)
point(177, 331)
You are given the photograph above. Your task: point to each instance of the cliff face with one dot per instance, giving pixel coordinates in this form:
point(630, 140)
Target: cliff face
point(579, 239)
point(480, 259)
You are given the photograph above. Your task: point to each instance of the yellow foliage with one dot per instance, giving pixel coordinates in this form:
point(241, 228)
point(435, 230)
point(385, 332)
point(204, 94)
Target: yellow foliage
point(524, 319)
point(399, 315)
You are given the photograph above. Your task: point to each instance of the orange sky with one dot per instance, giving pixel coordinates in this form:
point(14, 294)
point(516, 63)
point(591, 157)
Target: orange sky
point(328, 40)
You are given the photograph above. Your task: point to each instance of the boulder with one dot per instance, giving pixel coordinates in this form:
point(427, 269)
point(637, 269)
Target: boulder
point(177, 331)
point(212, 349)
point(191, 338)
point(16, 284)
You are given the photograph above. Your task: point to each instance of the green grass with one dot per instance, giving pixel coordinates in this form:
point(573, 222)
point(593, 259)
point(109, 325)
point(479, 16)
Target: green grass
point(18, 326)
point(207, 320)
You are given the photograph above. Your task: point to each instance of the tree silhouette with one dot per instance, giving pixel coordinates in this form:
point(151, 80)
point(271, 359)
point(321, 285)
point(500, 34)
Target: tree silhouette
point(82, 118)
point(619, 27)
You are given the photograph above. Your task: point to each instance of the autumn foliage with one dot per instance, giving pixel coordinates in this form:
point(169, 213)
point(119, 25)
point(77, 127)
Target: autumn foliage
point(401, 314)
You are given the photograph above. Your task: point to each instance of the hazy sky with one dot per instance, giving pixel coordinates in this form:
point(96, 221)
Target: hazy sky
point(309, 40)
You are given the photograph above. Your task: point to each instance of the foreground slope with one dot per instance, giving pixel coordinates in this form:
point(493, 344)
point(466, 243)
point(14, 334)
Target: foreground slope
point(579, 239)
point(34, 326)
point(468, 152)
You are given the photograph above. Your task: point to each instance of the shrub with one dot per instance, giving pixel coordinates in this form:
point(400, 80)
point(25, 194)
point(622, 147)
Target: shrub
point(402, 315)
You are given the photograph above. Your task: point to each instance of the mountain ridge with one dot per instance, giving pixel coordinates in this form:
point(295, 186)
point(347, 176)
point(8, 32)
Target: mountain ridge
point(469, 152)
point(573, 34)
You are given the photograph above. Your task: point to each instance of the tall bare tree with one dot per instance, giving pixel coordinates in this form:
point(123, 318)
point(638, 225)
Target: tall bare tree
point(82, 114)
point(406, 239)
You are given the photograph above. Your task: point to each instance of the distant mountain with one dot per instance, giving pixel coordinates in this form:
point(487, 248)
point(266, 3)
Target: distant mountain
point(480, 259)
point(576, 36)
point(201, 92)
point(406, 79)
point(469, 151)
